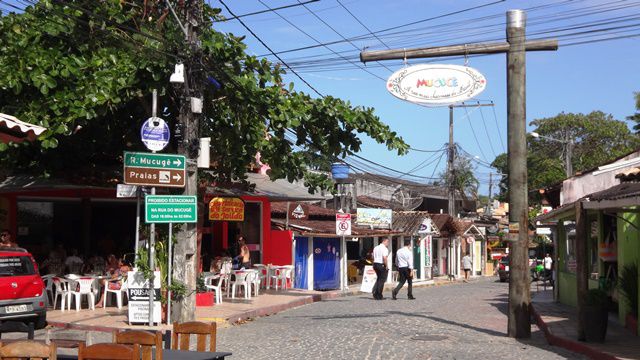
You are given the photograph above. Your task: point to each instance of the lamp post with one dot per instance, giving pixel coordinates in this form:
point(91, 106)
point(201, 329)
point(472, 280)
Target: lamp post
point(568, 150)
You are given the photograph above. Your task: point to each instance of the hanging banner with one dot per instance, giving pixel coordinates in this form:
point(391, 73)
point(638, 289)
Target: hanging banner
point(427, 250)
point(374, 218)
point(436, 84)
point(226, 209)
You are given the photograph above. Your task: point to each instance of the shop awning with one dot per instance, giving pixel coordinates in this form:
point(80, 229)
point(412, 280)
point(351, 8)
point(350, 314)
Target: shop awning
point(618, 197)
point(14, 130)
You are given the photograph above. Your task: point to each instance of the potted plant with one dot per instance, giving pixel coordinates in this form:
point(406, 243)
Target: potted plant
point(596, 316)
point(628, 286)
point(203, 296)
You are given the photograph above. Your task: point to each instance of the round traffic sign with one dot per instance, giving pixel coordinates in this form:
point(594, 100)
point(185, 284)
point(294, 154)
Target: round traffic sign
point(155, 134)
point(344, 226)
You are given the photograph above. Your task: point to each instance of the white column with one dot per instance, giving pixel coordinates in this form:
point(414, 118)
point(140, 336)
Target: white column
point(457, 263)
point(310, 264)
point(422, 253)
point(343, 261)
point(389, 265)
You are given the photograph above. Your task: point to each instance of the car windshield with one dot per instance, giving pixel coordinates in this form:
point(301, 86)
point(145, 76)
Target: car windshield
point(505, 260)
point(16, 266)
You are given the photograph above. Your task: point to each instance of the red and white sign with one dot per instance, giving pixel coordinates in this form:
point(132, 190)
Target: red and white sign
point(343, 224)
point(369, 278)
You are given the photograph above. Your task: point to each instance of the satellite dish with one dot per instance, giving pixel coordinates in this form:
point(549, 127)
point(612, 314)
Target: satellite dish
point(406, 199)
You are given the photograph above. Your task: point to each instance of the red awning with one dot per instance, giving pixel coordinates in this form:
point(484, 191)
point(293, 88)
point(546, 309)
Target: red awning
point(14, 130)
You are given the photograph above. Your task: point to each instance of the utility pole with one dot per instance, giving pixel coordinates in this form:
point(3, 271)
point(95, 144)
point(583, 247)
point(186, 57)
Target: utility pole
point(489, 203)
point(515, 47)
point(185, 256)
point(451, 187)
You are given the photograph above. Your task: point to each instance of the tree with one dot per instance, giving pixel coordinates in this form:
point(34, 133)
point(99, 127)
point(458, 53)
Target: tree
point(598, 138)
point(85, 70)
point(465, 181)
point(636, 117)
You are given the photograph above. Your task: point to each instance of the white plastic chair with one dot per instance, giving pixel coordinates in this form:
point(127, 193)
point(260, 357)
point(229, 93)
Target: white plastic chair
point(83, 286)
point(263, 271)
point(281, 276)
point(62, 290)
point(217, 289)
point(254, 282)
point(117, 292)
point(242, 278)
point(48, 285)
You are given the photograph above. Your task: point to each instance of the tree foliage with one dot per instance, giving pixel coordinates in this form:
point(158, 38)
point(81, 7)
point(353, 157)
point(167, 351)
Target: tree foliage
point(85, 70)
point(636, 117)
point(598, 138)
point(464, 179)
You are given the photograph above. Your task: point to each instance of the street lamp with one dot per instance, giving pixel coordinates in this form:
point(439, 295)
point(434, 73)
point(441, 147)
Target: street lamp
point(568, 150)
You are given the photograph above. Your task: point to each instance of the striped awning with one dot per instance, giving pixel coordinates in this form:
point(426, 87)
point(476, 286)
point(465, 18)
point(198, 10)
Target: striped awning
point(14, 130)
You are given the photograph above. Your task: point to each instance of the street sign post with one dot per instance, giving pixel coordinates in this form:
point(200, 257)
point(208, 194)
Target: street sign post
point(164, 209)
point(147, 169)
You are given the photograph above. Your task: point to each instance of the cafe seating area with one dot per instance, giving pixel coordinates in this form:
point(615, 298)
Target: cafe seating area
point(127, 344)
point(248, 282)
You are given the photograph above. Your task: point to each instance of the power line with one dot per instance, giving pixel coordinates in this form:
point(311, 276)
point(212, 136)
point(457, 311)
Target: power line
point(270, 50)
point(265, 11)
point(319, 42)
point(363, 25)
point(486, 131)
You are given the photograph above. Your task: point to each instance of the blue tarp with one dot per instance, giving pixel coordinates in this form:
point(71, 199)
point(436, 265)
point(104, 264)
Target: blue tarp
point(302, 252)
point(326, 263)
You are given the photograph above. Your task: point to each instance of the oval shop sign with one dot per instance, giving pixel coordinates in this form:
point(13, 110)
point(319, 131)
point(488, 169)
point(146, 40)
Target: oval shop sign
point(436, 84)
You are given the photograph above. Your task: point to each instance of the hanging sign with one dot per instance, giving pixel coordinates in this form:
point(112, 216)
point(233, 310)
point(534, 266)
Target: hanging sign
point(436, 84)
point(374, 218)
point(155, 134)
point(226, 209)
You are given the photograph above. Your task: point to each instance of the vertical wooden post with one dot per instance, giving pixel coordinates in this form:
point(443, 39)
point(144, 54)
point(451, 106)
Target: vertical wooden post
point(519, 297)
point(582, 268)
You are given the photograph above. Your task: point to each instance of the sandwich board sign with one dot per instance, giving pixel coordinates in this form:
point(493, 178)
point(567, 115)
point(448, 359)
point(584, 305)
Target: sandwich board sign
point(138, 293)
point(369, 278)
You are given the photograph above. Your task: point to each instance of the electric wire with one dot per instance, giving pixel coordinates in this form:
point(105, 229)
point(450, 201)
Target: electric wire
point(266, 11)
point(486, 130)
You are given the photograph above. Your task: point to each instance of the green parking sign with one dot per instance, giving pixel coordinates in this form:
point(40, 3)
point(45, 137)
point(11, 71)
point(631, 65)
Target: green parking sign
point(170, 209)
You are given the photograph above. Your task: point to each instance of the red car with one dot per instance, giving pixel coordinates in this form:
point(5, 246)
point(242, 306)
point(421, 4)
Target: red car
point(503, 269)
point(22, 292)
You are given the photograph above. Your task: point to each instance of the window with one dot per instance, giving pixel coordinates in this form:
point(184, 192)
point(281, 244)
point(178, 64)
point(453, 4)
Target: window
point(570, 254)
point(16, 266)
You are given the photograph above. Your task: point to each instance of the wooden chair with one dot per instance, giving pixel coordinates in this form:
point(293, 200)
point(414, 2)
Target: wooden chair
point(28, 349)
point(183, 331)
point(108, 352)
point(146, 339)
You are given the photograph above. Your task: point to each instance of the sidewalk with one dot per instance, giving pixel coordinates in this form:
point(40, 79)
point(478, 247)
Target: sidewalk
point(559, 323)
point(230, 311)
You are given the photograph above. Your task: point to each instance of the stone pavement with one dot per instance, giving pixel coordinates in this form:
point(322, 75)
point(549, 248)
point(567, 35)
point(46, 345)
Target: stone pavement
point(463, 321)
point(559, 322)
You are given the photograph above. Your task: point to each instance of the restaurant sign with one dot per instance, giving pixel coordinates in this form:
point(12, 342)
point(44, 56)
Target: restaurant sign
point(226, 209)
point(436, 84)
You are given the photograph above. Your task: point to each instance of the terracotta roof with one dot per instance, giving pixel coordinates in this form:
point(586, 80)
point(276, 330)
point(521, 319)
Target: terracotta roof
point(280, 210)
point(409, 222)
point(632, 174)
point(370, 202)
point(422, 188)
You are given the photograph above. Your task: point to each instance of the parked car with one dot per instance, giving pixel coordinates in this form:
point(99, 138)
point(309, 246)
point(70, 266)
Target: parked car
point(503, 268)
point(22, 292)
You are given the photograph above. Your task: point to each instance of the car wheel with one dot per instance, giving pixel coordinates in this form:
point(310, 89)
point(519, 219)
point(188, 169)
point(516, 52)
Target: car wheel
point(41, 322)
point(503, 279)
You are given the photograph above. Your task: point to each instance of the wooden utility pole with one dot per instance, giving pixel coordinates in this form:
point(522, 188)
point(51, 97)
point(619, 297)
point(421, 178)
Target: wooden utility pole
point(185, 258)
point(516, 46)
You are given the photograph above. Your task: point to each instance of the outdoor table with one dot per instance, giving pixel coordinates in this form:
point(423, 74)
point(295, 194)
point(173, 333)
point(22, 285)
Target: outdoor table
point(174, 355)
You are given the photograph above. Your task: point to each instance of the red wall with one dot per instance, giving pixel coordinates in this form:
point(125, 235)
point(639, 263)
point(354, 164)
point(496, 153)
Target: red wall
point(278, 250)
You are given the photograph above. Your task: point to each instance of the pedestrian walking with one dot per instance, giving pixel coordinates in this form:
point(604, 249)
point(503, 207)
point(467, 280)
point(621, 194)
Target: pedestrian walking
point(404, 262)
point(380, 254)
point(548, 268)
point(466, 265)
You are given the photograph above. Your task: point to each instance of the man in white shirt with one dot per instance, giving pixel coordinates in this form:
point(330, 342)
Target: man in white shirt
point(466, 265)
point(548, 266)
point(380, 254)
point(404, 261)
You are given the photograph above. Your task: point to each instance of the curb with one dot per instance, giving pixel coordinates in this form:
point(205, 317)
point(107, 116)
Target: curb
point(571, 345)
point(260, 312)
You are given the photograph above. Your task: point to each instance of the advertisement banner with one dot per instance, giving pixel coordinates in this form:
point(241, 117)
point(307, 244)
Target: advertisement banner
point(374, 218)
point(427, 251)
point(369, 278)
point(226, 209)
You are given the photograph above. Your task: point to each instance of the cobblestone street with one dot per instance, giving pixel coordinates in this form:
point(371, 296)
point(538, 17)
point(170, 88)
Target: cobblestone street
point(461, 321)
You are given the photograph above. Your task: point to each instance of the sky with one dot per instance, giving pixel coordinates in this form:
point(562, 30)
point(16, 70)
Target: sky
point(577, 78)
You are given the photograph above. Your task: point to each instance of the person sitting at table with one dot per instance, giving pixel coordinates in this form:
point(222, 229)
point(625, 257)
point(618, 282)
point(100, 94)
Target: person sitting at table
point(112, 264)
point(120, 274)
point(245, 256)
point(53, 264)
point(6, 240)
point(74, 262)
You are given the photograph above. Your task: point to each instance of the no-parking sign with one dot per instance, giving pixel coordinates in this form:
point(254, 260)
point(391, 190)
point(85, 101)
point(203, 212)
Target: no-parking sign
point(343, 224)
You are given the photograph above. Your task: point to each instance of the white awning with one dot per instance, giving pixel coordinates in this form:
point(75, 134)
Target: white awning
point(12, 129)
